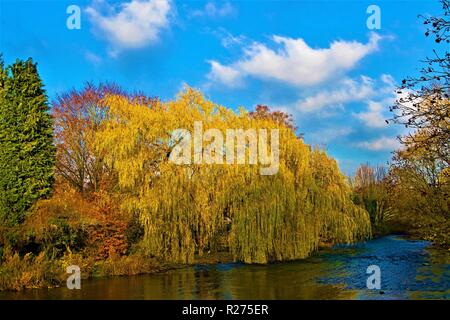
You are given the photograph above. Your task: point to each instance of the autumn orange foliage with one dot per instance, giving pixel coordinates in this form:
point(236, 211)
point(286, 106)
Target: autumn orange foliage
point(98, 216)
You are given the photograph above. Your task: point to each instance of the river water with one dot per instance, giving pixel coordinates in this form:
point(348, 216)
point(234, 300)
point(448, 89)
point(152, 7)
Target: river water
point(409, 270)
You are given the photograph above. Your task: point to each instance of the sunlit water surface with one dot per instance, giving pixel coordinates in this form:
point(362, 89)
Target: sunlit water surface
point(409, 270)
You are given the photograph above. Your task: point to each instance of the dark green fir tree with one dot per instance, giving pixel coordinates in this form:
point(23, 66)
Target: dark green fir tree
point(27, 152)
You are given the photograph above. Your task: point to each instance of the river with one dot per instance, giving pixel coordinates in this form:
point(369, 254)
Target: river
point(409, 270)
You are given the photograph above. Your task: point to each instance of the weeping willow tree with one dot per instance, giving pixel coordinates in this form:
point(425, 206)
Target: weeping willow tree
point(189, 209)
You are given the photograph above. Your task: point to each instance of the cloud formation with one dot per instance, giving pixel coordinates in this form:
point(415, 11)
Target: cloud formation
point(227, 39)
point(377, 94)
point(349, 90)
point(374, 116)
point(224, 74)
point(92, 57)
point(214, 10)
point(133, 24)
point(326, 135)
point(376, 113)
point(294, 62)
point(383, 143)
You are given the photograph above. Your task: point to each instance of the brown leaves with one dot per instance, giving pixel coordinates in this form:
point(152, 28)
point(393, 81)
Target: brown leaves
point(108, 239)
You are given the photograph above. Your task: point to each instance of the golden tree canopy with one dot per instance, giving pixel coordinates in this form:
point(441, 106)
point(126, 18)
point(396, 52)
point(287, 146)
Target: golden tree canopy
point(187, 209)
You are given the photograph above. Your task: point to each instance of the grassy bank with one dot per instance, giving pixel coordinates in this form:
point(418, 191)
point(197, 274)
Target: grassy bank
point(18, 273)
point(28, 272)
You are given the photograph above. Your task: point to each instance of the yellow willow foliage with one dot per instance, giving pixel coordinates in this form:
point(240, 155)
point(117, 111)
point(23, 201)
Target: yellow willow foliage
point(187, 209)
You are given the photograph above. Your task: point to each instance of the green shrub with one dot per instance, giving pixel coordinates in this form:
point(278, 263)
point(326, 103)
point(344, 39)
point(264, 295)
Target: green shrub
point(134, 231)
point(59, 236)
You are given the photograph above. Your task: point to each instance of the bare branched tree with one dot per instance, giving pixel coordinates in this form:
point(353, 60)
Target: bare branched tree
point(423, 102)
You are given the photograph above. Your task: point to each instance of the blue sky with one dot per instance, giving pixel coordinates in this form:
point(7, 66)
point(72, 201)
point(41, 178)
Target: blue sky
point(315, 59)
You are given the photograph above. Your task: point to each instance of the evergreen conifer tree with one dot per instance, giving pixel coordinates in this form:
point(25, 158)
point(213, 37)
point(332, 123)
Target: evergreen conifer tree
point(26, 141)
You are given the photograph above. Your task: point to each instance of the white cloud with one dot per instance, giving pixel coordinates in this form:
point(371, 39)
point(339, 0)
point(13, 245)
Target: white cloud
point(388, 80)
point(349, 91)
point(213, 10)
point(227, 39)
point(407, 99)
point(383, 143)
point(92, 58)
point(296, 63)
point(133, 24)
point(378, 95)
point(226, 75)
point(374, 116)
point(376, 113)
point(327, 135)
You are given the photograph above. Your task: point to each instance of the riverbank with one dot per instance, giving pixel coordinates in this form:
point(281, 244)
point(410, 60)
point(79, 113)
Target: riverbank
point(19, 274)
point(28, 272)
point(409, 270)
point(437, 233)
